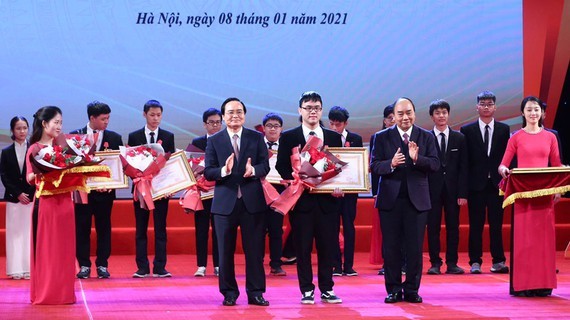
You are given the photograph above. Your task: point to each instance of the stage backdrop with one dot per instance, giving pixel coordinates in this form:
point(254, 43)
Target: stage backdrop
point(192, 55)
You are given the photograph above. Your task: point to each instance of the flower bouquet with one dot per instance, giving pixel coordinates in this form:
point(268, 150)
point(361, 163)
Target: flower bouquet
point(191, 199)
point(311, 166)
point(142, 163)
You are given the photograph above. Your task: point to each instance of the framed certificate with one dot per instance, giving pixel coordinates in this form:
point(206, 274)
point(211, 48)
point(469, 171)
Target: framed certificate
point(273, 176)
point(176, 175)
point(354, 176)
point(118, 179)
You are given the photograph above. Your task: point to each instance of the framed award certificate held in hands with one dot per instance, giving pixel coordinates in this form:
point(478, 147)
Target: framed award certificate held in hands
point(118, 179)
point(354, 175)
point(176, 175)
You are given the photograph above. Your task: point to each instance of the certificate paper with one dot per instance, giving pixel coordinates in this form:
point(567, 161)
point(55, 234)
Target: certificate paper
point(176, 175)
point(354, 176)
point(118, 179)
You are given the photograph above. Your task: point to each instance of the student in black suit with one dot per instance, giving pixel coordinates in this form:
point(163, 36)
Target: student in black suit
point(236, 159)
point(403, 156)
point(448, 189)
point(338, 121)
point(151, 133)
point(272, 127)
point(315, 215)
point(19, 197)
point(486, 141)
point(100, 202)
point(202, 219)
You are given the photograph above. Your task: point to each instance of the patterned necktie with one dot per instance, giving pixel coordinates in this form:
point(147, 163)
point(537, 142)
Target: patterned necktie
point(152, 137)
point(486, 140)
point(236, 145)
point(442, 149)
point(406, 136)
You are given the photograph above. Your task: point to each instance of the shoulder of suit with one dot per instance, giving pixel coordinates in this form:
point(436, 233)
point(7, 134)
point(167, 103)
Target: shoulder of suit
point(8, 147)
point(112, 133)
point(469, 125)
point(165, 132)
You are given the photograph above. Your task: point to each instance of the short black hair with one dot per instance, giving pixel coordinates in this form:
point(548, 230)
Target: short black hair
point(97, 108)
point(438, 104)
point(152, 104)
point(339, 114)
point(13, 125)
point(388, 110)
point(310, 96)
point(211, 112)
point(272, 116)
point(486, 95)
point(228, 100)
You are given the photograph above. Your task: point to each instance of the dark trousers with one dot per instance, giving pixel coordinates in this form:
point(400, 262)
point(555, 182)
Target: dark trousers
point(289, 245)
point(449, 205)
point(347, 215)
point(252, 236)
point(202, 221)
point(485, 204)
point(309, 225)
point(101, 211)
point(403, 225)
point(141, 220)
point(274, 227)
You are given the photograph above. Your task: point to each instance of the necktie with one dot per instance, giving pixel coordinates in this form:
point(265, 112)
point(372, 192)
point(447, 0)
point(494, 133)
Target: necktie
point(442, 148)
point(406, 136)
point(486, 140)
point(152, 137)
point(312, 133)
point(236, 146)
point(270, 145)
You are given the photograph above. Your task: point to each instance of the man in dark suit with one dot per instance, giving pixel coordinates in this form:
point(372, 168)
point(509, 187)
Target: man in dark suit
point(272, 127)
point(99, 202)
point(151, 133)
point(486, 141)
point(338, 121)
point(236, 159)
point(403, 156)
point(212, 119)
point(448, 189)
point(315, 215)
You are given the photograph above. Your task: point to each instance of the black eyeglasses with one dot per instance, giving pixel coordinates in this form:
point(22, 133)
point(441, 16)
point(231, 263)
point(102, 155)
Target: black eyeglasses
point(214, 122)
point(311, 109)
point(272, 126)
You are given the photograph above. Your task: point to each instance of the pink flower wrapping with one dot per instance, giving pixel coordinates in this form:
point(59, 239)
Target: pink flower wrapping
point(311, 166)
point(191, 200)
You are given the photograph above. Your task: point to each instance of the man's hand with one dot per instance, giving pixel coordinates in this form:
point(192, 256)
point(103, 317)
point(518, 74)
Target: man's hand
point(337, 193)
point(248, 169)
point(398, 158)
point(413, 151)
point(23, 198)
point(230, 163)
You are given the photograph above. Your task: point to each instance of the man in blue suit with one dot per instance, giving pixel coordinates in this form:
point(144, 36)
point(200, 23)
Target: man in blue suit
point(403, 156)
point(236, 159)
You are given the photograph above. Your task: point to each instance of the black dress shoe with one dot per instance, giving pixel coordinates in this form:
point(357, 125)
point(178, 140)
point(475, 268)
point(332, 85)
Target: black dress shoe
point(435, 269)
point(381, 272)
point(258, 301)
point(229, 301)
point(393, 298)
point(413, 298)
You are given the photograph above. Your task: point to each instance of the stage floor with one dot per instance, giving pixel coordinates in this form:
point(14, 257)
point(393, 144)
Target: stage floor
point(185, 297)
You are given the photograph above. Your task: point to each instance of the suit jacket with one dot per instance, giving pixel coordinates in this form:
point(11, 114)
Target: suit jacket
point(480, 165)
point(386, 143)
point(453, 172)
point(200, 142)
point(13, 179)
point(114, 140)
point(218, 149)
point(137, 138)
point(353, 140)
point(293, 138)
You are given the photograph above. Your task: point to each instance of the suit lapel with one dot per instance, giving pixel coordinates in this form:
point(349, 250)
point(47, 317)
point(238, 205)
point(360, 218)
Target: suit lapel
point(301, 137)
point(395, 137)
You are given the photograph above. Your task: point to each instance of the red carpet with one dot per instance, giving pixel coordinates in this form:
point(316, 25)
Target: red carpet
point(186, 297)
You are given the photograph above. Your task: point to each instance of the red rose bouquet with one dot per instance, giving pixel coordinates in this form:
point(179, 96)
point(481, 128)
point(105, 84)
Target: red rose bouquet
point(311, 166)
point(142, 163)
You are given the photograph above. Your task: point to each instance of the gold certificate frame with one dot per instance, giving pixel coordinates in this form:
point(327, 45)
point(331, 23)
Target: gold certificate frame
point(273, 176)
point(176, 175)
point(354, 176)
point(118, 179)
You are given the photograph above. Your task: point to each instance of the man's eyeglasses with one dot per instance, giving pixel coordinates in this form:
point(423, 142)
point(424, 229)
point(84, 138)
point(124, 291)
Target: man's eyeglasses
point(273, 126)
point(311, 109)
point(486, 105)
point(214, 122)
point(238, 112)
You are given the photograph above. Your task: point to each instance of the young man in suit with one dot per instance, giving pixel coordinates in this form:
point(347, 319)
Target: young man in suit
point(486, 141)
point(212, 119)
point(448, 189)
point(99, 202)
point(315, 215)
point(403, 156)
point(338, 121)
point(272, 127)
point(236, 159)
point(151, 133)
